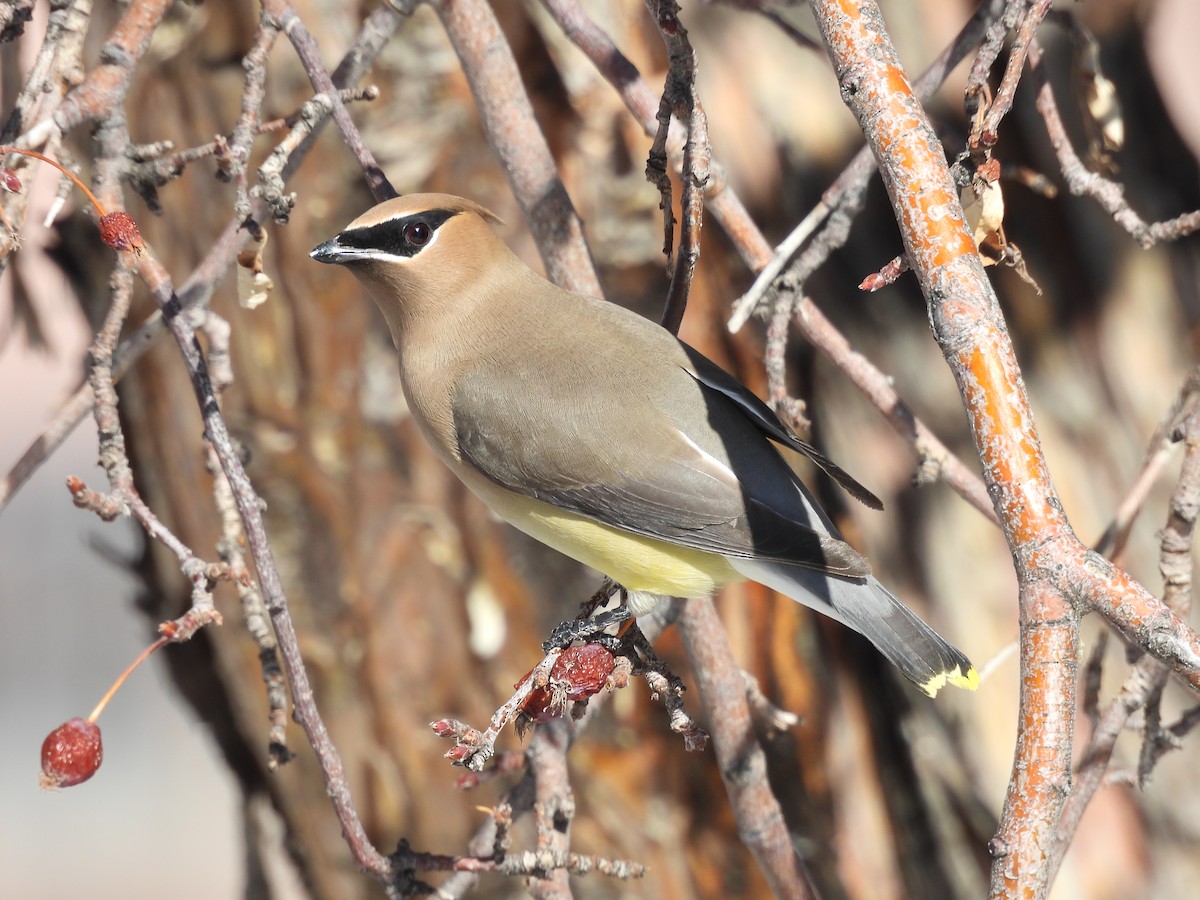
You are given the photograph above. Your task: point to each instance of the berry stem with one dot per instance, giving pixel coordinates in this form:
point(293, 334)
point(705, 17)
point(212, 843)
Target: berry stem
point(142, 657)
point(8, 148)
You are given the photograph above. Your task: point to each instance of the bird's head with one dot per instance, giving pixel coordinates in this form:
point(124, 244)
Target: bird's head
point(416, 250)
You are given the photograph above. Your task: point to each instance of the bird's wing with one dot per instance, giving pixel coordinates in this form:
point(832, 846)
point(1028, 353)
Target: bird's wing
point(625, 461)
point(763, 417)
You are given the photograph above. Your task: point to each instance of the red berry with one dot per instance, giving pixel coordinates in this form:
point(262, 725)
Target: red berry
point(584, 670)
point(71, 754)
point(577, 674)
point(120, 231)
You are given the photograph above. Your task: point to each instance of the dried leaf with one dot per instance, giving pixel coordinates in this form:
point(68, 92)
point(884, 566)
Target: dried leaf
point(253, 284)
point(983, 206)
point(1100, 98)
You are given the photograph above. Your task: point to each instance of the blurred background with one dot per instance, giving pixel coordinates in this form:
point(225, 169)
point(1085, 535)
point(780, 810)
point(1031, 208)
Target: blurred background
point(413, 604)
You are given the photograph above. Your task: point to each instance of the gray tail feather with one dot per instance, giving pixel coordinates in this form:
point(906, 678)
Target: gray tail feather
point(865, 605)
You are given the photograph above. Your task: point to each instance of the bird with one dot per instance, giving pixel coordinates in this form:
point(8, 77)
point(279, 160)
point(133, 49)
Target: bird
point(598, 432)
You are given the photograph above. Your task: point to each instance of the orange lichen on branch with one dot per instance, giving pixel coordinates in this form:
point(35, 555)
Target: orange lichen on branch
point(1140, 616)
point(918, 180)
point(850, 9)
point(1008, 446)
point(970, 329)
point(936, 226)
point(897, 83)
point(919, 183)
point(1048, 672)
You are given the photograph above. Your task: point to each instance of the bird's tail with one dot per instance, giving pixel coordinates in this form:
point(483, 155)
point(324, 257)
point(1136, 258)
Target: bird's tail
point(865, 605)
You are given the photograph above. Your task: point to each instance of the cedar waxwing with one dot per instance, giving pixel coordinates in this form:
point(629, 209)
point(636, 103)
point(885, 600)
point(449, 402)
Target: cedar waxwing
point(598, 432)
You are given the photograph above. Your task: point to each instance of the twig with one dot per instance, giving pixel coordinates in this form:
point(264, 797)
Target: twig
point(553, 807)
point(57, 68)
point(1082, 182)
point(679, 99)
point(722, 201)
point(740, 758)
point(1145, 683)
point(157, 165)
point(229, 546)
point(249, 508)
point(255, 65)
point(372, 37)
point(306, 49)
point(989, 51)
point(531, 863)
point(306, 123)
point(934, 457)
point(776, 720)
point(745, 306)
point(1159, 450)
point(514, 135)
point(124, 498)
point(987, 130)
point(473, 748)
point(847, 189)
point(55, 57)
point(106, 85)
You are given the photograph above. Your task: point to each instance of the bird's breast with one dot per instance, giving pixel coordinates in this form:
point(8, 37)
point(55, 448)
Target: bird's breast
point(634, 561)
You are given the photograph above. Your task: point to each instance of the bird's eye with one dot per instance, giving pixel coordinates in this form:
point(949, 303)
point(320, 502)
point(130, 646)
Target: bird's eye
point(417, 233)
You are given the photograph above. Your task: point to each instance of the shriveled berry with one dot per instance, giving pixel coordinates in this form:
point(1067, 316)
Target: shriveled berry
point(584, 670)
point(578, 673)
point(71, 754)
point(120, 231)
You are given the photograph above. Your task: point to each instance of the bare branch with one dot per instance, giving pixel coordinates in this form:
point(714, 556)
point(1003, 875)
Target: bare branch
point(513, 133)
point(1082, 182)
point(759, 818)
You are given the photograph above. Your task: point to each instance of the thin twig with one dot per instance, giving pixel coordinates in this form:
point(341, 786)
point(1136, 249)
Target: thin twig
point(679, 99)
point(229, 546)
point(124, 498)
point(371, 39)
point(985, 134)
point(513, 133)
point(1159, 450)
point(848, 188)
point(255, 66)
point(1082, 182)
point(1144, 685)
point(310, 56)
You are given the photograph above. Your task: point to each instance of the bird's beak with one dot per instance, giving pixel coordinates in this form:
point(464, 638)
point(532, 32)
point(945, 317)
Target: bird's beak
point(331, 252)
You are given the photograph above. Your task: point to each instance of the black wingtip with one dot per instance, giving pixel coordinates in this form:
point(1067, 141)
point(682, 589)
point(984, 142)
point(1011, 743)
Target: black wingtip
point(712, 376)
point(842, 477)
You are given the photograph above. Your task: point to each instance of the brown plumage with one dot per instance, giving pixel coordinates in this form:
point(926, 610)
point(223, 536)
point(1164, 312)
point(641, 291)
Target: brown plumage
point(601, 434)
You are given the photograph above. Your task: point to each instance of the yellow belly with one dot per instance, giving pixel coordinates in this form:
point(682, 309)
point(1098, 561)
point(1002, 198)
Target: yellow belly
point(635, 562)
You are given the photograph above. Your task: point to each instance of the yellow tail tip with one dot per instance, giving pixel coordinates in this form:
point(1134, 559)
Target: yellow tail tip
point(968, 681)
